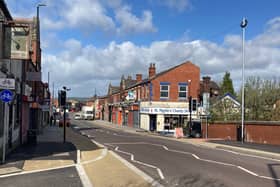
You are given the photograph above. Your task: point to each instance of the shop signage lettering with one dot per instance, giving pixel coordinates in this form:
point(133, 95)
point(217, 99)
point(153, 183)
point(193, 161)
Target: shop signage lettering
point(164, 110)
point(7, 83)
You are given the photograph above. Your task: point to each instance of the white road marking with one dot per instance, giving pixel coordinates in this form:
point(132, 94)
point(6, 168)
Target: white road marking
point(248, 155)
point(195, 156)
point(36, 171)
point(78, 156)
point(142, 163)
point(83, 176)
point(248, 171)
point(146, 177)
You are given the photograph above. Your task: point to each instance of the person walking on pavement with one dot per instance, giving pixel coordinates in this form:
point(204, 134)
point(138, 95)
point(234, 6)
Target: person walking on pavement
point(51, 120)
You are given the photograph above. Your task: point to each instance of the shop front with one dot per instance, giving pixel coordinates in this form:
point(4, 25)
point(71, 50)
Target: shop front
point(159, 116)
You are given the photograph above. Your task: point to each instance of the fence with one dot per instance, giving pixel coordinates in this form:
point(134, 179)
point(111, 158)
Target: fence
point(255, 132)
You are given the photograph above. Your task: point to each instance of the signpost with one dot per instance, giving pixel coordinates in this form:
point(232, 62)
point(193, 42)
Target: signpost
point(6, 96)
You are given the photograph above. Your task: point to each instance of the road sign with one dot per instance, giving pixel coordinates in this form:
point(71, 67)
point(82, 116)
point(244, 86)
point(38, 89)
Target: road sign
point(6, 96)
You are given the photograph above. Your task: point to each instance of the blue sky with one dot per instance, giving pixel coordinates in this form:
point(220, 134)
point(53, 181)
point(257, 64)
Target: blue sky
point(89, 43)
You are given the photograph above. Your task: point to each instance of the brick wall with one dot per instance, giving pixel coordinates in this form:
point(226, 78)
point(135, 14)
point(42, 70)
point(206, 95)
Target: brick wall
point(221, 130)
point(182, 73)
point(255, 132)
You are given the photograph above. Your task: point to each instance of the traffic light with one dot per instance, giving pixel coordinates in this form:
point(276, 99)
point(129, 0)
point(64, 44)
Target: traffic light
point(62, 98)
point(194, 104)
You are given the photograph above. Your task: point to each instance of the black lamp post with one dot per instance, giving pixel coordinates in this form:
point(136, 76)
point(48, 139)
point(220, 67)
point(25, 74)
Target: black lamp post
point(190, 108)
point(63, 94)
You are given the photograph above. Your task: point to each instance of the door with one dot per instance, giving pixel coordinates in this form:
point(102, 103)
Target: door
point(153, 122)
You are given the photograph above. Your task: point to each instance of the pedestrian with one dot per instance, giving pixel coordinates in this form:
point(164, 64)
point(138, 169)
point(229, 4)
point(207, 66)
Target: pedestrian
point(51, 120)
point(54, 119)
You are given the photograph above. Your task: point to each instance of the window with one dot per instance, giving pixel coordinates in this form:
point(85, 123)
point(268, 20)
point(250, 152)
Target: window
point(182, 90)
point(164, 90)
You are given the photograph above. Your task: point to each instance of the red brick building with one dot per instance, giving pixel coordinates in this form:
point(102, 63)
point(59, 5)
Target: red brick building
point(156, 103)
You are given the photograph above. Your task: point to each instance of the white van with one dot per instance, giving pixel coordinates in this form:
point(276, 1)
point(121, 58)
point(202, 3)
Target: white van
point(87, 112)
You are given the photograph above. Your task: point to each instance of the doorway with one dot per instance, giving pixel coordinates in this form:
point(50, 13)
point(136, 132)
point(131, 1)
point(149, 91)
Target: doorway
point(153, 122)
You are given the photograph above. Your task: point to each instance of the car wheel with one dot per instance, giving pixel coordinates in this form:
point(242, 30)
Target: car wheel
point(197, 135)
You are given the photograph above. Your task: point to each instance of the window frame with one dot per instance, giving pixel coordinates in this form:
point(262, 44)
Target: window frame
point(185, 85)
point(164, 91)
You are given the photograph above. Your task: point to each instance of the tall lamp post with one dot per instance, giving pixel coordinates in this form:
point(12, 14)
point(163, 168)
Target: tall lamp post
point(65, 89)
point(243, 26)
point(190, 107)
point(38, 32)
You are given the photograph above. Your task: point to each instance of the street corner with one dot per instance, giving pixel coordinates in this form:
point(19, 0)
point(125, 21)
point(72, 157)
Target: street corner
point(120, 174)
point(93, 155)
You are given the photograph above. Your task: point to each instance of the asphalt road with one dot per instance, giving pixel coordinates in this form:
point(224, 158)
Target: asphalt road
point(175, 163)
point(65, 177)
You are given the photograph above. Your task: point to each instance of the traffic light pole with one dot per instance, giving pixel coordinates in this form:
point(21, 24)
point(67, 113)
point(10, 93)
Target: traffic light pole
point(64, 124)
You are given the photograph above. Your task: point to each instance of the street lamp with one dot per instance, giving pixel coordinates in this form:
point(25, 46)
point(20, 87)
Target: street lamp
point(190, 107)
point(65, 89)
point(243, 26)
point(38, 33)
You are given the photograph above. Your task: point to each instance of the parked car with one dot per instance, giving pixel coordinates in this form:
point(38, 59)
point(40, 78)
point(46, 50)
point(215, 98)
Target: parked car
point(196, 129)
point(67, 120)
point(78, 116)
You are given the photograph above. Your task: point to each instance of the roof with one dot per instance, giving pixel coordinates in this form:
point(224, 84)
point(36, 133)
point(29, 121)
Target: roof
point(231, 97)
point(170, 69)
point(129, 83)
point(5, 10)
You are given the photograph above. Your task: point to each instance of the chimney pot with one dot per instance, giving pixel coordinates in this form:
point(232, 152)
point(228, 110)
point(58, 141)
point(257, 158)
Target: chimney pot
point(152, 70)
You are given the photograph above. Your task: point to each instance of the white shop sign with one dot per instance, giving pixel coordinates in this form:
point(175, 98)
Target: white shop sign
point(7, 83)
point(146, 110)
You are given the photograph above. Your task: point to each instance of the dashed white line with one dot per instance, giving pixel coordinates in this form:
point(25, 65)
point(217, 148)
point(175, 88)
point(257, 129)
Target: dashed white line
point(248, 171)
point(142, 163)
point(187, 153)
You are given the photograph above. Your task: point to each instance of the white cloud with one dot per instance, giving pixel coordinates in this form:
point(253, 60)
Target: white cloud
point(88, 67)
point(179, 5)
point(96, 15)
point(87, 14)
point(132, 24)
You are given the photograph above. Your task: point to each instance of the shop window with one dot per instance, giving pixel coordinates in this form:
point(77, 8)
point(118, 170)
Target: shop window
point(173, 121)
point(164, 90)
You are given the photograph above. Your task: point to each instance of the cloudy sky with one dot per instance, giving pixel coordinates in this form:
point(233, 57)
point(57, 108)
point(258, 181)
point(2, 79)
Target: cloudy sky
point(88, 44)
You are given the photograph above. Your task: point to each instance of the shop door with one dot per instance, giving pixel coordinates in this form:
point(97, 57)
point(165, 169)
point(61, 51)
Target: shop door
point(153, 122)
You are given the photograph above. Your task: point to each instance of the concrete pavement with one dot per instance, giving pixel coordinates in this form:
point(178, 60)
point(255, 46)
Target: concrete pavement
point(96, 165)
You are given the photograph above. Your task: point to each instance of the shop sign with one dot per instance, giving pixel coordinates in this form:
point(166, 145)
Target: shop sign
point(7, 83)
point(130, 96)
point(182, 111)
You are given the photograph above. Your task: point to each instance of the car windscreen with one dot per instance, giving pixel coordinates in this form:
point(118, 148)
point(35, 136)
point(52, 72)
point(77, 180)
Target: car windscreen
point(89, 112)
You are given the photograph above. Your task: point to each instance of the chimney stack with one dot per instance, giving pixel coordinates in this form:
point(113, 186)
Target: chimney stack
point(152, 70)
point(138, 78)
point(206, 84)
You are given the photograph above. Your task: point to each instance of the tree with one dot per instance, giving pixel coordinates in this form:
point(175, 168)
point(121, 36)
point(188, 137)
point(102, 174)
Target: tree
point(226, 85)
point(262, 98)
